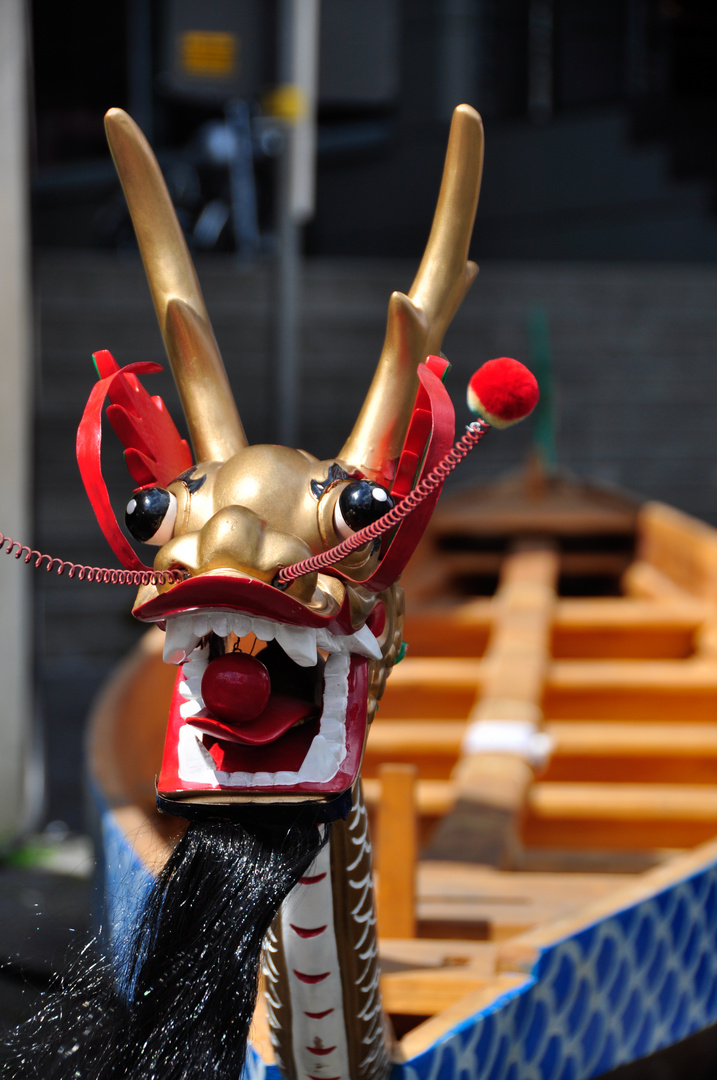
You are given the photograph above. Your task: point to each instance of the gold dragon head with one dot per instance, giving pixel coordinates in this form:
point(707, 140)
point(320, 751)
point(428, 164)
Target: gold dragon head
point(278, 683)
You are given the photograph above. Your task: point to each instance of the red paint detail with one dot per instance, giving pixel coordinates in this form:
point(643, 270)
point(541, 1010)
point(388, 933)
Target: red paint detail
point(88, 448)
point(503, 391)
point(233, 752)
point(311, 879)
point(320, 1051)
point(306, 932)
point(319, 1015)
point(155, 451)
point(266, 758)
point(311, 979)
point(428, 440)
point(229, 592)
point(376, 621)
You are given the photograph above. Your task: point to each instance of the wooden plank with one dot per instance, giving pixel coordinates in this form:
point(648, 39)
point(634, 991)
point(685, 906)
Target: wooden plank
point(396, 852)
point(624, 802)
point(425, 993)
point(460, 900)
point(643, 580)
point(400, 954)
point(616, 628)
point(583, 749)
point(632, 752)
point(460, 881)
point(614, 816)
point(433, 797)
point(431, 746)
point(482, 823)
point(680, 546)
point(631, 690)
point(461, 630)
point(430, 686)
point(611, 612)
point(427, 1033)
point(520, 955)
point(620, 815)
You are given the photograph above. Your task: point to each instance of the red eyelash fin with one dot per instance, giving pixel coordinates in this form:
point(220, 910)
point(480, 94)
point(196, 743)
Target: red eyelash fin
point(155, 452)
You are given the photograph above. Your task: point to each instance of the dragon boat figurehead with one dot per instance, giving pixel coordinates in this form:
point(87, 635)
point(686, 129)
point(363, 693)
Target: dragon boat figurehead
point(278, 677)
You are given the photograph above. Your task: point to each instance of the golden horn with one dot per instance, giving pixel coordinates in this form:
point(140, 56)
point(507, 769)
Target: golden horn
point(212, 417)
point(417, 322)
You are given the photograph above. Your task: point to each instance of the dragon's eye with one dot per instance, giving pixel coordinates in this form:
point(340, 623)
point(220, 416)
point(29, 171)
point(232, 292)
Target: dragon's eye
point(359, 504)
point(151, 514)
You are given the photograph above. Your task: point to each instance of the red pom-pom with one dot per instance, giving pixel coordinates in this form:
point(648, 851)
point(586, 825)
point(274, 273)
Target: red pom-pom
point(503, 392)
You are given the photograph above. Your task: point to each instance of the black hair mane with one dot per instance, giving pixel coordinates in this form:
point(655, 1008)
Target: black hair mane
point(181, 1005)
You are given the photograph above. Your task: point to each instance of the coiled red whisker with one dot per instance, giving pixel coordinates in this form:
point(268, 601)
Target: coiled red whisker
point(104, 575)
point(114, 576)
point(316, 563)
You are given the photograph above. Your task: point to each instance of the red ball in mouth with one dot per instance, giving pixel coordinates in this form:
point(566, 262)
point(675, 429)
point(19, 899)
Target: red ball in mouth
point(236, 688)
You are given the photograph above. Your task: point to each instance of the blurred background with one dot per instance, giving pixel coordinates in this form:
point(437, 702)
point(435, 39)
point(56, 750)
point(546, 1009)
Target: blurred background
point(303, 145)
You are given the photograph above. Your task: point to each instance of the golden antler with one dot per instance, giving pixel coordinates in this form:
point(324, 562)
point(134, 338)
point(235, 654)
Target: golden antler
point(212, 417)
point(417, 322)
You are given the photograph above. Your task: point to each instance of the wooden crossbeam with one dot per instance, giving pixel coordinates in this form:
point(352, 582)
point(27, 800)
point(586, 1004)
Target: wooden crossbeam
point(491, 785)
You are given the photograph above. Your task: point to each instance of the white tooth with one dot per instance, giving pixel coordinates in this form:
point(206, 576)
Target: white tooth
point(332, 730)
point(179, 640)
point(324, 640)
point(319, 765)
point(201, 624)
point(190, 708)
point(190, 687)
point(263, 629)
point(365, 644)
point(220, 623)
point(284, 778)
point(194, 667)
point(298, 642)
point(240, 624)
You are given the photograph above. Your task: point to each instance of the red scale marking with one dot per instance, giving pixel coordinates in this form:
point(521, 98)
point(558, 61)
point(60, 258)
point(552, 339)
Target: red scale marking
point(307, 932)
point(319, 1015)
point(312, 880)
point(311, 979)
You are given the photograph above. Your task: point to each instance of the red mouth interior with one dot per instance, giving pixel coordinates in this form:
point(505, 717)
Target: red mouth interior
point(286, 752)
point(279, 736)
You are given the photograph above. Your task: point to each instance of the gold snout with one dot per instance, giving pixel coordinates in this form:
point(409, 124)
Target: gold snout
point(236, 540)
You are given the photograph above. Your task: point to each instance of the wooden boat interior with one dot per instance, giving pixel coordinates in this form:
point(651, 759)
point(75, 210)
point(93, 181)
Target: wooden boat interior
point(590, 619)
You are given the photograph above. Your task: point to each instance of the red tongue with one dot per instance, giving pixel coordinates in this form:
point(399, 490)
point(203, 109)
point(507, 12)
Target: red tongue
point(236, 689)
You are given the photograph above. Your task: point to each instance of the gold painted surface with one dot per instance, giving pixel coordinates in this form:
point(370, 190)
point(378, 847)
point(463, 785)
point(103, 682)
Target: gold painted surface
point(212, 417)
point(417, 322)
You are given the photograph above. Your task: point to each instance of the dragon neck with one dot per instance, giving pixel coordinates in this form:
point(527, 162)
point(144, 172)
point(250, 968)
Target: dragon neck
point(321, 965)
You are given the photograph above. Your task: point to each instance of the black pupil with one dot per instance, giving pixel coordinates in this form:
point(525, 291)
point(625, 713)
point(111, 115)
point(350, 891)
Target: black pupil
point(363, 503)
point(150, 509)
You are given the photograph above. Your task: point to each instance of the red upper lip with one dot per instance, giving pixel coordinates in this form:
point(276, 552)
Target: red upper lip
point(245, 594)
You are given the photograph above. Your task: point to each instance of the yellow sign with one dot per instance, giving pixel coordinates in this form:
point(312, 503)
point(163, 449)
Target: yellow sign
point(286, 102)
point(209, 54)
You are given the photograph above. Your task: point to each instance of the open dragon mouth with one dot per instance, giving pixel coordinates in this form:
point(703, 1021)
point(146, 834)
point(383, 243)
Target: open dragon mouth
point(262, 707)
